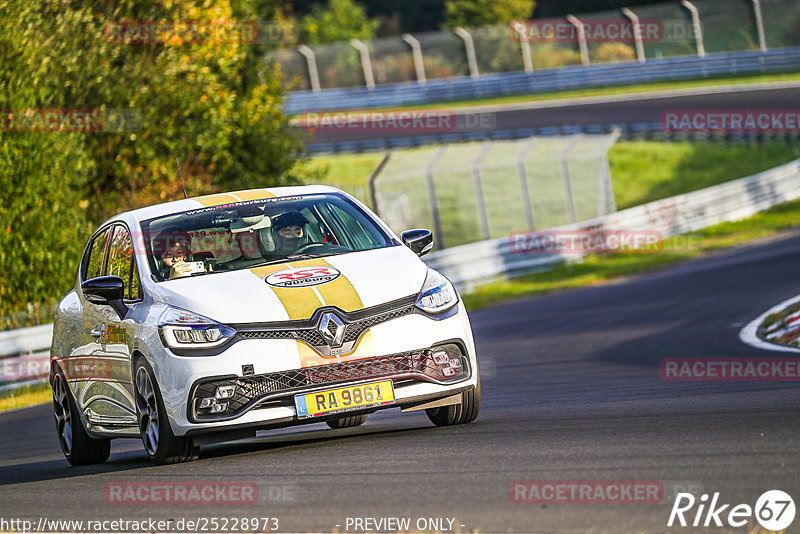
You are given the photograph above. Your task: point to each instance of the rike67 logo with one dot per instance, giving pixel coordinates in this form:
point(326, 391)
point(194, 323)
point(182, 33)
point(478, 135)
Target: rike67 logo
point(774, 510)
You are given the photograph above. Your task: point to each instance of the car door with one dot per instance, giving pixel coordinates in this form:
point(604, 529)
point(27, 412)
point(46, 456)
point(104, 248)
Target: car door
point(114, 402)
point(106, 392)
point(78, 365)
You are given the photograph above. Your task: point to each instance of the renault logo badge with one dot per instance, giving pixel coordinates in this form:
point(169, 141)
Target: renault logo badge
point(331, 328)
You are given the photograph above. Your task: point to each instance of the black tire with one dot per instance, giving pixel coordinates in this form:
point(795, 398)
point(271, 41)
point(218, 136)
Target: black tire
point(78, 446)
point(347, 422)
point(160, 444)
point(458, 414)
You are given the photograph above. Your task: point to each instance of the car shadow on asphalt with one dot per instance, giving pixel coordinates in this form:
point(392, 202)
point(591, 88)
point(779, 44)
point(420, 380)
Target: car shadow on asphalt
point(135, 460)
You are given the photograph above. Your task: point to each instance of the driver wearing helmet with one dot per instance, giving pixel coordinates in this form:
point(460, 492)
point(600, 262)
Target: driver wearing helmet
point(289, 232)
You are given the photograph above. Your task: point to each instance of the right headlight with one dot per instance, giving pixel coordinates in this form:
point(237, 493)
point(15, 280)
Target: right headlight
point(182, 329)
point(437, 293)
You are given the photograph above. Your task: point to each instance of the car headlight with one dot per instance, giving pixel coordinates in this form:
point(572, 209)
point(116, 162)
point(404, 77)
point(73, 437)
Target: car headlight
point(437, 293)
point(181, 329)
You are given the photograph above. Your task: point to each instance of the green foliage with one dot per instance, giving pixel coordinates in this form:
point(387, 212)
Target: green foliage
point(339, 20)
point(209, 102)
point(472, 13)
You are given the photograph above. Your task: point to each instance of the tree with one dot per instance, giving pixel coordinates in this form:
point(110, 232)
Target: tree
point(211, 103)
point(473, 13)
point(339, 20)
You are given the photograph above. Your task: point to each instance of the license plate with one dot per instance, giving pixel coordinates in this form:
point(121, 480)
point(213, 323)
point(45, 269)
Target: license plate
point(344, 399)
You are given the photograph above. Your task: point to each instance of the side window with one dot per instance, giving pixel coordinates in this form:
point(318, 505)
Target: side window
point(94, 266)
point(121, 261)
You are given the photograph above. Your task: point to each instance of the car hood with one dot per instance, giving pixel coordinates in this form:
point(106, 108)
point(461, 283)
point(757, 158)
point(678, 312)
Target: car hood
point(365, 279)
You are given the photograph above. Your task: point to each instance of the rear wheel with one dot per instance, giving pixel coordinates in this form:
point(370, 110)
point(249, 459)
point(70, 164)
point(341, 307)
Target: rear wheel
point(347, 422)
point(458, 414)
point(161, 445)
point(77, 445)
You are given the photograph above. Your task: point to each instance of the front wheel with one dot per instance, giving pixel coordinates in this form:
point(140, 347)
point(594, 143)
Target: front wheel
point(458, 414)
point(77, 445)
point(161, 445)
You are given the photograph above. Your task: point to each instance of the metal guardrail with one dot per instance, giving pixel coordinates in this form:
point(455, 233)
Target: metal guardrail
point(25, 353)
point(470, 265)
point(555, 80)
point(638, 131)
point(25, 356)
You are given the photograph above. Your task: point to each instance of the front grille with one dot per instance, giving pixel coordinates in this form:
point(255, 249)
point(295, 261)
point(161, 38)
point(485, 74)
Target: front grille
point(355, 329)
point(309, 334)
point(311, 337)
point(419, 365)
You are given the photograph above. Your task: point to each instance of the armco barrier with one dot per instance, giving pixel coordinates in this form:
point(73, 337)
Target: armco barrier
point(554, 80)
point(476, 263)
point(26, 350)
point(637, 131)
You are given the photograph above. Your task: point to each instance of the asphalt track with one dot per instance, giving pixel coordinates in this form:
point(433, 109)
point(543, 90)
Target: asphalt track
point(625, 109)
point(575, 395)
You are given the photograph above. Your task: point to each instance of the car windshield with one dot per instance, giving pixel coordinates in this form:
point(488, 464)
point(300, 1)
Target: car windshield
point(245, 234)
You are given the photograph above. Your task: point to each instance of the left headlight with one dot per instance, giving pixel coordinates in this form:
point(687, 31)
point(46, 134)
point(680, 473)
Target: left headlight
point(182, 329)
point(437, 293)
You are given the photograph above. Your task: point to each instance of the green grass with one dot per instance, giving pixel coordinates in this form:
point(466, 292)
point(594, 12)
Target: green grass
point(605, 91)
point(25, 396)
point(644, 171)
point(597, 269)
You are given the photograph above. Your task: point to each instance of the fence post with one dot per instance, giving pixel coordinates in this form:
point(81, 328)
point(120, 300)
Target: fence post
point(366, 64)
point(523, 182)
point(416, 53)
point(762, 39)
point(606, 203)
point(637, 34)
point(522, 32)
point(469, 47)
point(570, 201)
point(373, 193)
point(698, 29)
point(572, 19)
point(437, 223)
point(483, 217)
point(311, 63)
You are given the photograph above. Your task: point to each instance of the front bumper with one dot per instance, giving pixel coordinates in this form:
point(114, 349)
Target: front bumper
point(401, 350)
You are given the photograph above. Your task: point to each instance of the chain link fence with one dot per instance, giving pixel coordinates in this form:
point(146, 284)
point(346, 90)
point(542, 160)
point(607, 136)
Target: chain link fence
point(471, 192)
point(641, 34)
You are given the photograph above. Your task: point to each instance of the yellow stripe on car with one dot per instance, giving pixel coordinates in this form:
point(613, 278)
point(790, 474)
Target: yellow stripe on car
point(339, 292)
point(254, 194)
point(216, 200)
point(299, 302)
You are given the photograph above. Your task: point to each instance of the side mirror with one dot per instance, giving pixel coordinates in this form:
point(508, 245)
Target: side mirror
point(419, 240)
point(107, 290)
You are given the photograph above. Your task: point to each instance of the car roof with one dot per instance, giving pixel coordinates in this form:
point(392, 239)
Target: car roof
point(220, 199)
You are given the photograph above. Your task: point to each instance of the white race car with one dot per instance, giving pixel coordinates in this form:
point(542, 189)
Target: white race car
point(207, 319)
